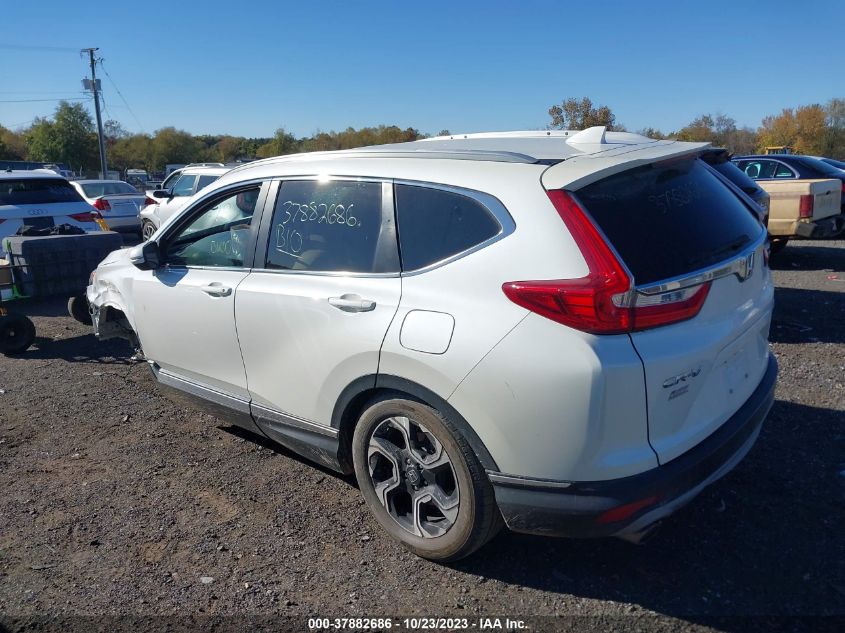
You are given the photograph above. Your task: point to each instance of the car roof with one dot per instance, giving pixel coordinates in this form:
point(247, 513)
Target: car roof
point(535, 147)
point(204, 170)
point(18, 174)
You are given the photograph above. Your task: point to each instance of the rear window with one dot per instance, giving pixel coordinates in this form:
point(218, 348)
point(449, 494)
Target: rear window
point(37, 191)
point(668, 219)
point(97, 189)
point(737, 177)
point(819, 166)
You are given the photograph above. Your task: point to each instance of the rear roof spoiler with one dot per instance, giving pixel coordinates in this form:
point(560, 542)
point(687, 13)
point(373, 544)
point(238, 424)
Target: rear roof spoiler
point(583, 169)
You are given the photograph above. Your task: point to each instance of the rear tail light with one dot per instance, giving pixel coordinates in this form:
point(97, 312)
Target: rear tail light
point(805, 206)
point(88, 216)
point(102, 205)
point(620, 513)
point(603, 301)
point(148, 201)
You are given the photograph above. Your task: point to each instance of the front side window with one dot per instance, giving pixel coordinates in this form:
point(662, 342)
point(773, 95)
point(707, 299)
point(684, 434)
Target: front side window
point(435, 224)
point(184, 186)
point(218, 236)
point(326, 226)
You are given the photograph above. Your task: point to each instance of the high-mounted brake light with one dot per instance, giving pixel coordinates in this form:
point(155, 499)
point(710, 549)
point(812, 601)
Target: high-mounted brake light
point(101, 204)
point(604, 301)
point(805, 206)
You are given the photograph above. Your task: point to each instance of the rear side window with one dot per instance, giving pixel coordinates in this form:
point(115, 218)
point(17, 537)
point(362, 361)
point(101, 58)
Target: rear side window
point(326, 226)
point(782, 171)
point(668, 219)
point(758, 169)
point(205, 181)
point(435, 224)
point(37, 191)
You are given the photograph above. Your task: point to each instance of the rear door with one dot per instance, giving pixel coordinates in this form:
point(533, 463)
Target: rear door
point(675, 224)
point(314, 312)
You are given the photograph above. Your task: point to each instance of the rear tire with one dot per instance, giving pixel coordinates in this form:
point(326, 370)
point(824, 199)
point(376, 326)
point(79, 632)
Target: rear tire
point(17, 333)
point(77, 307)
point(778, 244)
point(452, 510)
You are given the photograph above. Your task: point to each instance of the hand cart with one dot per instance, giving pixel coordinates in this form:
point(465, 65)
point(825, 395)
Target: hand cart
point(47, 266)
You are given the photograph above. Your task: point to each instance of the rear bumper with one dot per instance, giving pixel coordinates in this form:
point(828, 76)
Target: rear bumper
point(626, 506)
point(826, 227)
point(125, 224)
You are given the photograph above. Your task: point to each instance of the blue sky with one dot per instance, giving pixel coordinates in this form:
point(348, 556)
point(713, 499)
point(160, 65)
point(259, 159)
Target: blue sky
point(247, 68)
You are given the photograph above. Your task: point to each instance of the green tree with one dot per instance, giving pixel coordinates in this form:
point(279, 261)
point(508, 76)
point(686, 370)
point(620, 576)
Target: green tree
point(579, 114)
point(133, 151)
point(170, 145)
point(69, 138)
point(12, 145)
point(282, 143)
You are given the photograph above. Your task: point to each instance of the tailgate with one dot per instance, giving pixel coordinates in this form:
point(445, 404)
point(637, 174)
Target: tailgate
point(679, 229)
point(786, 196)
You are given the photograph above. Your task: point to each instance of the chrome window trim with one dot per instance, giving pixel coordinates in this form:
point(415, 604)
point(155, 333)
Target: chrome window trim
point(740, 265)
point(492, 204)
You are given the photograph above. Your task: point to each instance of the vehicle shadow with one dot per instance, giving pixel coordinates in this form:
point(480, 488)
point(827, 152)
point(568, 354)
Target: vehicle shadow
point(81, 349)
point(763, 541)
point(808, 256)
point(798, 319)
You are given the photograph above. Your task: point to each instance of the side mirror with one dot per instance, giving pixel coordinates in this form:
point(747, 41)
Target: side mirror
point(146, 256)
point(162, 193)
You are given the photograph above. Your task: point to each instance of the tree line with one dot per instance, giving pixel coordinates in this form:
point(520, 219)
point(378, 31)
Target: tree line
point(69, 137)
point(816, 129)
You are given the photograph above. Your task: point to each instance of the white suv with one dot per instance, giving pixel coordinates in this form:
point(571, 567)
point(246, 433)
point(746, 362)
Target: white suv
point(565, 331)
point(175, 192)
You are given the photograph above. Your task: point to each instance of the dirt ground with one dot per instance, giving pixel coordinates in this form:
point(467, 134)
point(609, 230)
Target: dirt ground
point(120, 509)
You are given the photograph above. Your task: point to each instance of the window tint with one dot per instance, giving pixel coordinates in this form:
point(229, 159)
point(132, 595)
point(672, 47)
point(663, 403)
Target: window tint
point(326, 226)
point(217, 236)
point(37, 191)
point(205, 181)
point(782, 171)
point(436, 224)
point(184, 186)
point(737, 177)
point(823, 168)
point(669, 219)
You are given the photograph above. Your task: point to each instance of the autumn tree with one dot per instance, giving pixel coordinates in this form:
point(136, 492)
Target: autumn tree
point(575, 114)
point(803, 128)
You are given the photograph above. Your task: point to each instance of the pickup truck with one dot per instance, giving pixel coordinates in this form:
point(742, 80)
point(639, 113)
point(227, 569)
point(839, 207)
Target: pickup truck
point(806, 196)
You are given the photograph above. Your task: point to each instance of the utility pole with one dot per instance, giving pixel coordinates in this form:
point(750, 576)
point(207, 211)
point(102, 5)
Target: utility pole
point(95, 89)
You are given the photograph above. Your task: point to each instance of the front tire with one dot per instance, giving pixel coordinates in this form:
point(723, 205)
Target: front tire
point(147, 230)
point(422, 481)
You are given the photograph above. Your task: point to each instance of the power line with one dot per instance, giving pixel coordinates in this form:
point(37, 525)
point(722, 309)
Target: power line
point(120, 94)
point(42, 100)
point(52, 49)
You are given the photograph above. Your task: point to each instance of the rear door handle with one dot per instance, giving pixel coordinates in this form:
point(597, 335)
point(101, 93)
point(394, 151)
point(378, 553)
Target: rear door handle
point(216, 289)
point(352, 303)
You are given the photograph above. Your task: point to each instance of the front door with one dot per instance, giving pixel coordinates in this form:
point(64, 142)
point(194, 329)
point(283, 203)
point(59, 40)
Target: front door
point(185, 310)
point(314, 312)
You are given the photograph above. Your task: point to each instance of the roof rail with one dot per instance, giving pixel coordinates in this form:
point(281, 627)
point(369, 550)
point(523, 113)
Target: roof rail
point(203, 165)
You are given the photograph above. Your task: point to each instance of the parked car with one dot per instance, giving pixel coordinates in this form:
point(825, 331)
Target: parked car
point(175, 191)
point(840, 165)
point(117, 201)
point(41, 199)
point(720, 160)
point(563, 331)
point(806, 194)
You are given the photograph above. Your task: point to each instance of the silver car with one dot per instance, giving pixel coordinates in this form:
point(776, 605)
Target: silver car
point(117, 201)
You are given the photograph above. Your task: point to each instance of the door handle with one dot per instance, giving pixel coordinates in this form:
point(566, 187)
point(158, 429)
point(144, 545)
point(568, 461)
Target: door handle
point(216, 289)
point(352, 303)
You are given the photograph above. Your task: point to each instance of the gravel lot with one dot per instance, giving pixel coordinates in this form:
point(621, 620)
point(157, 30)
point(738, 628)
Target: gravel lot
point(118, 502)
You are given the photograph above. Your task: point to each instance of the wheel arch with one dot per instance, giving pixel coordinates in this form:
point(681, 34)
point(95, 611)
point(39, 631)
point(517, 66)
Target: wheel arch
point(354, 398)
